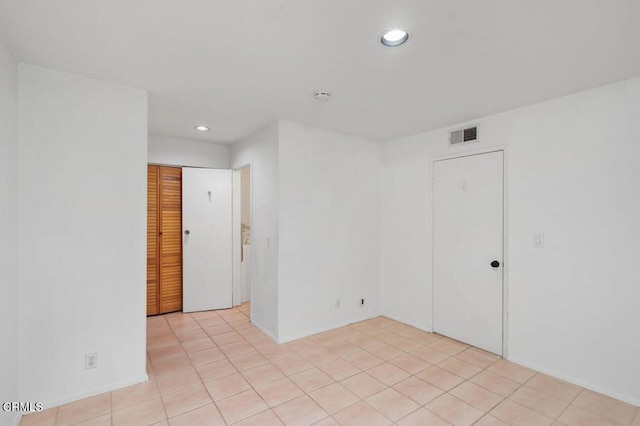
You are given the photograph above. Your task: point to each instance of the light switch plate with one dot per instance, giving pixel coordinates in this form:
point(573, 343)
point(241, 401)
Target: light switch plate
point(538, 240)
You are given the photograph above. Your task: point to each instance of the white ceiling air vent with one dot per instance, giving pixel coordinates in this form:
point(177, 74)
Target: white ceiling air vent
point(466, 135)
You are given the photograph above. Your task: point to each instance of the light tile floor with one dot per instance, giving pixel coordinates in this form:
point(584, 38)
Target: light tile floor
point(215, 368)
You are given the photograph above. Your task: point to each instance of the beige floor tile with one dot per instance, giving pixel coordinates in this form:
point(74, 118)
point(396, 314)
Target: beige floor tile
point(312, 379)
point(215, 370)
point(334, 397)
point(423, 417)
point(405, 344)
point(241, 406)
point(85, 409)
point(385, 351)
point(165, 352)
point(361, 414)
point(292, 364)
point(459, 367)
point(363, 385)
point(364, 360)
point(553, 387)
point(191, 335)
point(430, 355)
point(300, 411)
point(185, 400)
point(248, 361)
point(171, 365)
point(478, 358)
point(418, 390)
point(511, 371)
point(495, 383)
point(227, 338)
point(388, 373)
point(454, 411)
point(105, 420)
point(206, 356)
point(339, 369)
point(198, 345)
point(327, 421)
point(410, 363)
point(217, 330)
point(615, 411)
point(440, 378)
point(538, 401)
point(477, 396)
point(176, 381)
point(265, 418)
point(147, 413)
point(262, 374)
point(279, 391)
point(489, 420)
point(42, 418)
point(237, 348)
point(134, 395)
point(392, 404)
point(207, 415)
point(227, 386)
point(575, 416)
point(519, 415)
point(448, 346)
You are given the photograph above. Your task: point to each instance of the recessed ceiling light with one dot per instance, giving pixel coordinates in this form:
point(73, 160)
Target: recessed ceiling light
point(393, 38)
point(202, 128)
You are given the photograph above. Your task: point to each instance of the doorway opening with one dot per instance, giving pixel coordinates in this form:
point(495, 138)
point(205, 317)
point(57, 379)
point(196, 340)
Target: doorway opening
point(245, 233)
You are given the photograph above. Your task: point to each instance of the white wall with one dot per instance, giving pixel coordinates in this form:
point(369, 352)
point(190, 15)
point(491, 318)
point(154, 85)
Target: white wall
point(8, 230)
point(181, 152)
point(330, 188)
point(261, 151)
point(573, 174)
point(83, 155)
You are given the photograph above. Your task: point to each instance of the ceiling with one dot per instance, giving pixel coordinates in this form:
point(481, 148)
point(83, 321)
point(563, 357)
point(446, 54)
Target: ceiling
point(237, 65)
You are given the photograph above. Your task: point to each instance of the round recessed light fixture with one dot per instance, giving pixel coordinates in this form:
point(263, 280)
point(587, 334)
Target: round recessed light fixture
point(202, 128)
point(393, 38)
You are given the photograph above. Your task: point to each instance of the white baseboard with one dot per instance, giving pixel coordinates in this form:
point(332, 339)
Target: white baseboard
point(96, 391)
point(332, 326)
point(407, 322)
point(17, 419)
point(579, 382)
point(265, 331)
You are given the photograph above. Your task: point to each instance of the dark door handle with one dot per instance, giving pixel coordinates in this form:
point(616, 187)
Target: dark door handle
point(495, 264)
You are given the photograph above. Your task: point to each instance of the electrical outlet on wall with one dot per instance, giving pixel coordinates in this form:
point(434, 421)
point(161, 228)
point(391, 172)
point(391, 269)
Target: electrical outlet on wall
point(91, 360)
point(362, 303)
point(338, 303)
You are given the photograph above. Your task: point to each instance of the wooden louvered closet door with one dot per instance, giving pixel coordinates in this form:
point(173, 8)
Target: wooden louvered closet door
point(164, 240)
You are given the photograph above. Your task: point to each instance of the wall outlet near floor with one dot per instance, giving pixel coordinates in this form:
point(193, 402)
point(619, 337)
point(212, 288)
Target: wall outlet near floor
point(362, 303)
point(91, 360)
point(337, 303)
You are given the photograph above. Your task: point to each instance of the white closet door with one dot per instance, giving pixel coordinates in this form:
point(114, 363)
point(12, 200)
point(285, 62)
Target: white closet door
point(207, 239)
point(467, 249)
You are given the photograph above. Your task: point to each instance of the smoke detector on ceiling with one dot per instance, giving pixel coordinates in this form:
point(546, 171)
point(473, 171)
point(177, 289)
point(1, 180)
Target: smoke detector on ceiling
point(321, 95)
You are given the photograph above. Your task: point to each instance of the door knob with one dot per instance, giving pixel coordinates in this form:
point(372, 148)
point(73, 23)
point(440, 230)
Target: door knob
point(187, 232)
point(495, 264)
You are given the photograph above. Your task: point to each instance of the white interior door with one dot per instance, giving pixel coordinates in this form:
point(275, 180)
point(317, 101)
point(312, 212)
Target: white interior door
point(468, 249)
point(206, 239)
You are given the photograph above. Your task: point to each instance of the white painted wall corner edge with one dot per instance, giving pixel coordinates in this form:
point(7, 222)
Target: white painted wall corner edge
point(573, 380)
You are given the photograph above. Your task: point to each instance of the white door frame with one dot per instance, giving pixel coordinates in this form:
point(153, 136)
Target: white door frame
point(505, 229)
point(236, 221)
